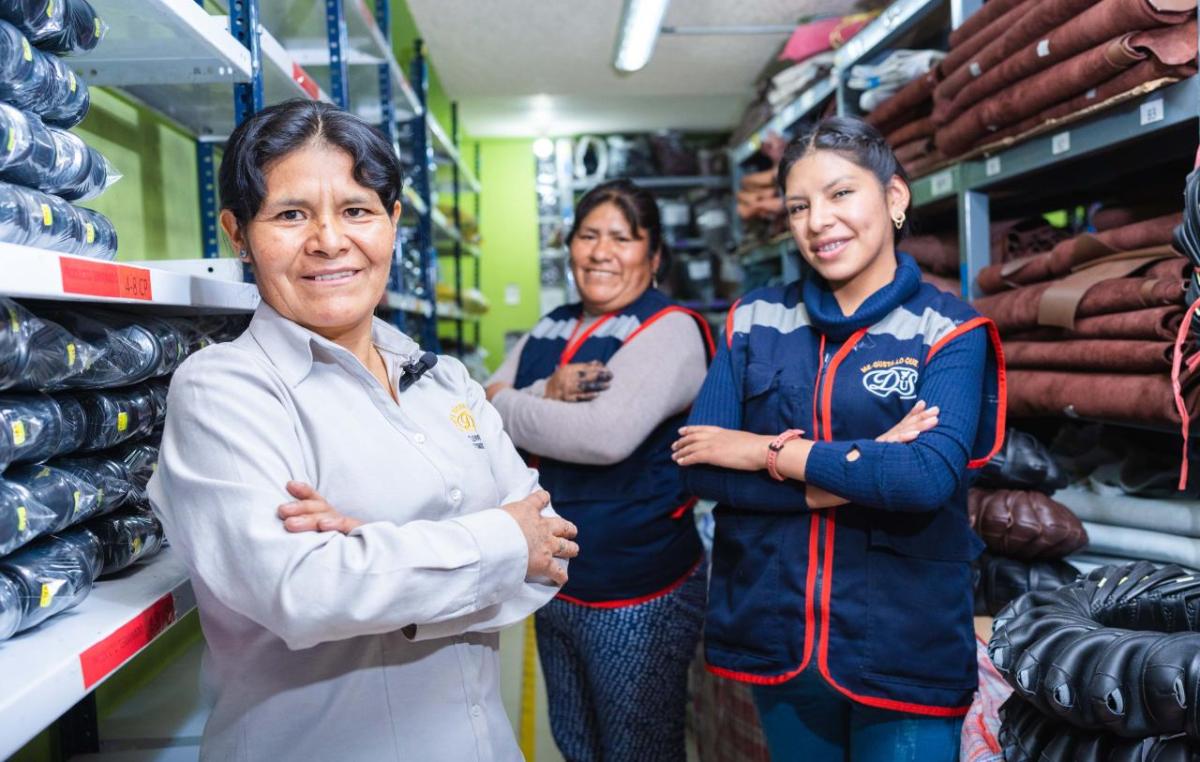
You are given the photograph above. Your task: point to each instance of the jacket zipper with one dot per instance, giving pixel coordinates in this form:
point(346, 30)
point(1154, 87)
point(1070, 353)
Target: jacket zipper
point(823, 364)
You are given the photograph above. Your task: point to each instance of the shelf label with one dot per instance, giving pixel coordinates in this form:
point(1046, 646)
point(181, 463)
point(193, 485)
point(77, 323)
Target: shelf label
point(1060, 143)
point(942, 183)
point(18, 432)
point(305, 82)
point(99, 661)
point(88, 278)
point(992, 167)
point(1153, 111)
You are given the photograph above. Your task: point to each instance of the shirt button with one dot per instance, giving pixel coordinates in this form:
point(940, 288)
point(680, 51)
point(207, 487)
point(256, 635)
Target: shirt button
point(476, 711)
point(419, 438)
point(456, 495)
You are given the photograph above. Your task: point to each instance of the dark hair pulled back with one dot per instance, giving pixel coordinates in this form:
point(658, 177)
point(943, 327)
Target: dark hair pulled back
point(639, 208)
point(278, 130)
point(853, 139)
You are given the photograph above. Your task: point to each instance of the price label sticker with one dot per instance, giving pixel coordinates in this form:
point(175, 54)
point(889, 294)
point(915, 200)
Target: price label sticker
point(942, 183)
point(70, 354)
point(18, 433)
point(137, 546)
point(72, 85)
point(98, 29)
point(47, 215)
point(1060, 143)
point(1153, 111)
point(12, 141)
point(89, 232)
point(26, 51)
point(78, 501)
point(49, 590)
point(14, 321)
point(122, 421)
point(22, 518)
point(50, 9)
point(992, 167)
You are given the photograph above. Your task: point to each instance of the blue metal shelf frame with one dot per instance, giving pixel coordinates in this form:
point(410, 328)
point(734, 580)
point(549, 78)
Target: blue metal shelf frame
point(339, 72)
point(422, 183)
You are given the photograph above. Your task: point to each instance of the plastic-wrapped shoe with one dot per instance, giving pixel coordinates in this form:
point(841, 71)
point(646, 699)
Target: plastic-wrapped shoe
point(54, 574)
point(126, 539)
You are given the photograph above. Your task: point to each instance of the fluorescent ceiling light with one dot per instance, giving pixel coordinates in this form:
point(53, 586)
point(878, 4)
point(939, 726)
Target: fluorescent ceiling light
point(640, 23)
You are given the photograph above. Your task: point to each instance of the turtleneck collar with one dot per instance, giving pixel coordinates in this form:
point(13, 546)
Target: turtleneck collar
point(826, 315)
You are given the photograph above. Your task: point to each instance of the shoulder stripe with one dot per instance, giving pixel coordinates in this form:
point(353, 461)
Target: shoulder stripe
point(930, 325)
point(768, 315)
point(549, 328)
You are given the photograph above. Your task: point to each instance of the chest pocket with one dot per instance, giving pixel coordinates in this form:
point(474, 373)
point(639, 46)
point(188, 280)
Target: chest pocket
point(772, 400)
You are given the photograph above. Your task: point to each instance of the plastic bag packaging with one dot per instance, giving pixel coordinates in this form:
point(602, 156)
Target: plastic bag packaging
point(126, 538)
point(38, 82)
point(129, 351)
point(158, 389)
point(11, 607)
point(79, 172)
point(32, 218)
point(82, 29)
point(17, 328)
point(68, 98)
point(140, 460)
point(22, 518)
point(35, 428)
point(71, 499)
point(108, 476)
point(54, 574)
point(115, 416)
point(27, 148)
point(37, 19)
point(55, 355)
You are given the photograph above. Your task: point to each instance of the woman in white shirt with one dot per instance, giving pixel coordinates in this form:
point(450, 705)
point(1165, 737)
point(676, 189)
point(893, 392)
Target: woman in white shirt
point(378, 644)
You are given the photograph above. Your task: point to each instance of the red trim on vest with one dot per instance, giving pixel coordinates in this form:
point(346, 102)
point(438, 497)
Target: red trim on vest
point(1001, 374)
point(729, 324)
point(827, 590)
point(573, 343)
point(810, 585)
point(687, 506)
point(630, 601)
point(750, 677)
point(705, 331)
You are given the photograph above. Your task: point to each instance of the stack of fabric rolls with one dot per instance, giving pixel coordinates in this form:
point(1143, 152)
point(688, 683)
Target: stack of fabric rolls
point(905, 119)
point(1018, 67)
point(1089, 327)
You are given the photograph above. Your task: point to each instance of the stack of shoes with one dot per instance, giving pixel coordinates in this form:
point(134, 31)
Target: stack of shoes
point(82, 406)
point(1104, 668)
point(1020, 67)
point(43, 167)
point(1026, 532)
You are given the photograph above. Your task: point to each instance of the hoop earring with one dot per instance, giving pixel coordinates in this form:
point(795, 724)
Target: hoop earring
point(243, 255)
point(898, 220)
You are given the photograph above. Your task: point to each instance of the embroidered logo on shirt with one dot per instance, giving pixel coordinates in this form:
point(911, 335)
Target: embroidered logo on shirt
point(885, 377)
point(460, 416)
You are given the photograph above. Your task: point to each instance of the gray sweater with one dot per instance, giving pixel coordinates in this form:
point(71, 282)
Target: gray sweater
point(654, 377)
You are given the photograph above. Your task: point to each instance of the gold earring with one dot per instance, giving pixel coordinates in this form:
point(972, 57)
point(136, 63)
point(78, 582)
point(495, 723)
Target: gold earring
point(898, 220)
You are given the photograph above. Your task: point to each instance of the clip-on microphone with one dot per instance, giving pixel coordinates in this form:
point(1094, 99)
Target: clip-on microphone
point(413, 371)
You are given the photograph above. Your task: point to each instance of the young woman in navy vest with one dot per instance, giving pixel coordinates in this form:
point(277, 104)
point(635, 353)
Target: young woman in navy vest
point(616, 643)
point(835, 430)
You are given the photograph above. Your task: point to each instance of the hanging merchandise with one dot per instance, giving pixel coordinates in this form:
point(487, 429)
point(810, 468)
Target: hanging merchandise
point(22, 518)
point(11, 607)
point(591, 160)
point(82, 29)
point(1114, 652)
point(115, 416)
point(43, 84)
point(50, 159)
point(126, 539)
point(54, 574)
point(32, 218)
point(109, 476)
point(37, 19)
point(70, 498)
point(999, 581)
point(34, 428)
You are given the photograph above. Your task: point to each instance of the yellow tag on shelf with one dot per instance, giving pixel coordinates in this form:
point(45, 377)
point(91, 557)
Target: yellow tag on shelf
point(26, 51)
point(47, 215)
point(122, 421)
point(71, 83)
point(71, 353)
point(89, 232)
point(18, 430)
point(22, 518)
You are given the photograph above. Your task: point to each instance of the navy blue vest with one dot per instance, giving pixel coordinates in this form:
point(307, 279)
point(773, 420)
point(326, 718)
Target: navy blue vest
point(636, 534)
point(879, 602)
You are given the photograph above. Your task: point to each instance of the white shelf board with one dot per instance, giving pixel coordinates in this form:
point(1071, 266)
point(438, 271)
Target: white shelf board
point(39, 274)
point(413, 200)
point(300, 26)
point(162, 42)
point(206, 110)
point(408, 303)
point(44, 668)
point(442, 142)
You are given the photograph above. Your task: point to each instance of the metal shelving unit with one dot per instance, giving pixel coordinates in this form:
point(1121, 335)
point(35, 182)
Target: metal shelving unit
point(54, 667)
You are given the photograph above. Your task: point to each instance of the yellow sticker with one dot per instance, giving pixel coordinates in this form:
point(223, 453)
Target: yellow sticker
point(122, 421)
point(71, 84)
point(70, 354)
point(78, 500)
point(49, 589)
point(137, 545)
point(44, 472)
point(12, 141)
point(89, 231)
point(97, 26)
point(12, 316)
point(99, 497)
point(22, 518)
point(47, 215)
point(26, 51)
point(50, 9)
point(18, 430)
point(154, 467)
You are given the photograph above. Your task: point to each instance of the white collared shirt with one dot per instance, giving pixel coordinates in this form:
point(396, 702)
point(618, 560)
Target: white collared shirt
point(305, 649)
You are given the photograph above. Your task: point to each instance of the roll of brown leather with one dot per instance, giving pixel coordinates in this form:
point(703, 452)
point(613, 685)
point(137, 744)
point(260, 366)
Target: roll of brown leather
point(1119, 397)
point(1024, 524)
point(1106, 355)
point(1152, 324)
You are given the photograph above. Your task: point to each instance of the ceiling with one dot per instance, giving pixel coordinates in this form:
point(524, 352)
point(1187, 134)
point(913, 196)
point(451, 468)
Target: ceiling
point(520, 68)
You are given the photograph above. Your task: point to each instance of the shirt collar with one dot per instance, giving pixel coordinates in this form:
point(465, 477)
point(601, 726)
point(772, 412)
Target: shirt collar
point(827, 316)
point(289, 346)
